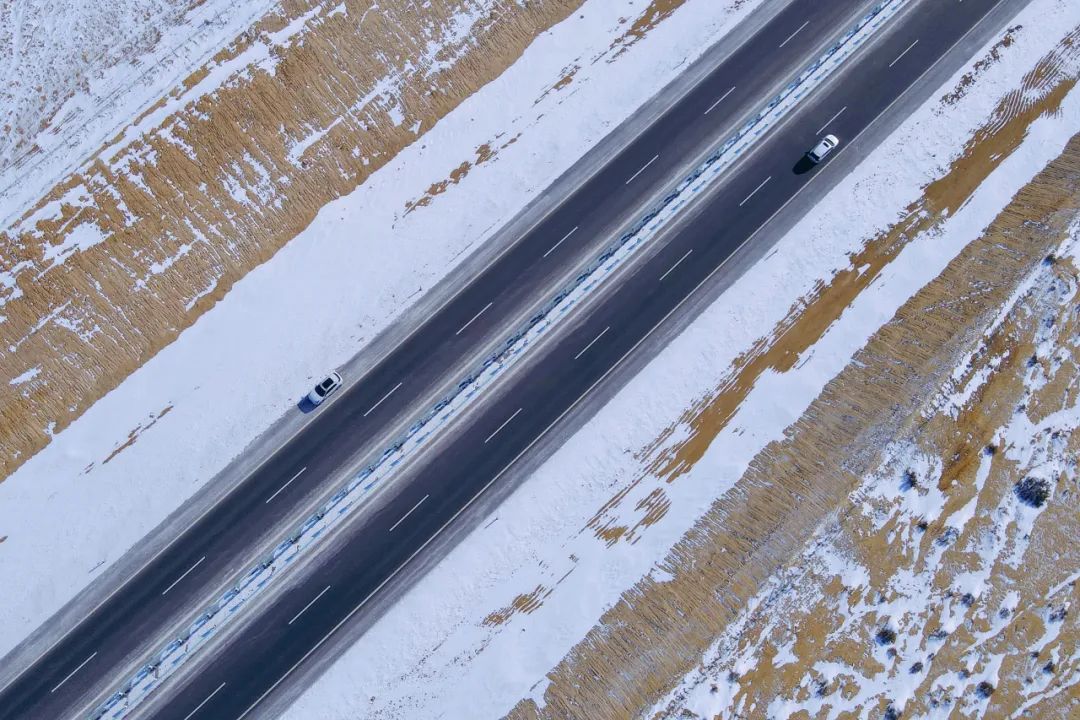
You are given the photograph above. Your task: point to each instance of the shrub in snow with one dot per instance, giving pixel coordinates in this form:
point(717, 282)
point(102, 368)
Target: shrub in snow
point(990, 449)
point(916, 668)
point(948, 536)
point(885, 636)
point(908, 481)
point(984, 689)
point(891, 713)
point(1032, 491)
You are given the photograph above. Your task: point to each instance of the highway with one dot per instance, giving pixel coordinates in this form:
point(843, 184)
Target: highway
point(335, 591)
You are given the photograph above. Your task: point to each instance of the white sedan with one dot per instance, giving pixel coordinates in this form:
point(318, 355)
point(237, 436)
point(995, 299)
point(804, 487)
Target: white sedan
point(323, 390)
point(823, 148)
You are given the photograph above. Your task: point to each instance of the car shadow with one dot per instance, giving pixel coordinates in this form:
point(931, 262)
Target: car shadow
point(305, 405)
point(804, 166)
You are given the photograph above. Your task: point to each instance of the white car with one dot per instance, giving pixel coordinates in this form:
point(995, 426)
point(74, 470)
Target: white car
point(823, 148)
point(323, 390)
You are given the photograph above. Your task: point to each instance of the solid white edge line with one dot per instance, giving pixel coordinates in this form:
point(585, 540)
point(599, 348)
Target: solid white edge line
point(186, 572)
point(719, 100)
point(370, 409)
point(901, 55)
point(792, 35)
point(752, 194)
point(407, 514)
point(654, 157)
point(199, 706)
point(287, 484)
point(505, 423)
point(827, 122)
point(308, 605)
point(583, 350)
point(462, 328)
point(677, 264)
point(73, 672)
point(552, 248)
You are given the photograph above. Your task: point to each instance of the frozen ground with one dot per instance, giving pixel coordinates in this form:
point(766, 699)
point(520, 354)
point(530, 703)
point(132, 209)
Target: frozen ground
point(78, 71)
point(93, 517)
point(948, 550)
point(543, 575)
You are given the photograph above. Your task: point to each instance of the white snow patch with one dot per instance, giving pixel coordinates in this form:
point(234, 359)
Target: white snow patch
point(25, 377)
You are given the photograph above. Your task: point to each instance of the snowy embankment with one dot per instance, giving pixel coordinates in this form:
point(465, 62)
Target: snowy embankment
point(94, 517)
point(544, 577)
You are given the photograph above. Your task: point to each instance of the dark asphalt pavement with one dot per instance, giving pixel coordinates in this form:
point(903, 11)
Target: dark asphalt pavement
point(227, 685)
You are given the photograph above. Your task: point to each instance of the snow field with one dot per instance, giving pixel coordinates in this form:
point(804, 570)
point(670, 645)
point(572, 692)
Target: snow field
point(86, 69)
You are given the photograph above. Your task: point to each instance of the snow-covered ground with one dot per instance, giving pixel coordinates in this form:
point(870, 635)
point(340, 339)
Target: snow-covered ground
point(544, 579)
point(77, 72)
point(93, 517)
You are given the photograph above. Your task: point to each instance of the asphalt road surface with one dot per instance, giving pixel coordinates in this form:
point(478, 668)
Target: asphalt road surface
point(297, 622)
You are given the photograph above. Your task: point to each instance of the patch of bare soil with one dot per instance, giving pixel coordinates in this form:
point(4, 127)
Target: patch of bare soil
point(659, 630)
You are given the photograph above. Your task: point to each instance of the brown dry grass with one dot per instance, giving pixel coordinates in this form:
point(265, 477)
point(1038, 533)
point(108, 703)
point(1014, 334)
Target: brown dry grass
point(879, 535)
point(89, 322)
point(484, 153)
point(658, 630)
point(524, 603)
